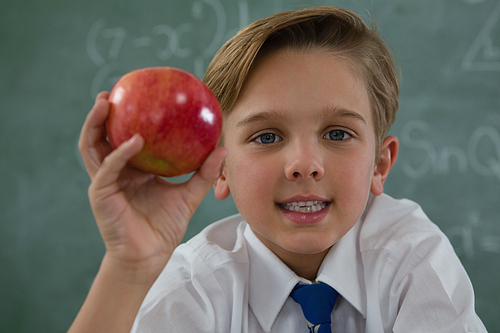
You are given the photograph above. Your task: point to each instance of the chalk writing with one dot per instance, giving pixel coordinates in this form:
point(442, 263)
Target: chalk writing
point(484, 55)
point(92, 36)
point(221, 23)
point(469, 239)
point(172, 47)
point(105, 44)
point(438, 160)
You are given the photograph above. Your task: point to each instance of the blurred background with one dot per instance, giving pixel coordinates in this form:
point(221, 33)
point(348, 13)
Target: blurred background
point(55, 56)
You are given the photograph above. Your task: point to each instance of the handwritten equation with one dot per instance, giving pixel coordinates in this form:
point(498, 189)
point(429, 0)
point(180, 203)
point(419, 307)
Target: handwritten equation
point(438, 160)
point(474, 237)
point(106, 44)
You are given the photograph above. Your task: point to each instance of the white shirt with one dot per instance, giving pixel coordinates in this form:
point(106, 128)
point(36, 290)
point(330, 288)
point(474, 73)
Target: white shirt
point(395, 271)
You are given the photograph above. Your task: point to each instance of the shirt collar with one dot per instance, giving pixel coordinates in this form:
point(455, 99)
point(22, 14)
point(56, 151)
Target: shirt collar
point(342, 269)
point(271, 281)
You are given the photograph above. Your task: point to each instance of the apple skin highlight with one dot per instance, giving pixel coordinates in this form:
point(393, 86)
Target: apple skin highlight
point(174, 111)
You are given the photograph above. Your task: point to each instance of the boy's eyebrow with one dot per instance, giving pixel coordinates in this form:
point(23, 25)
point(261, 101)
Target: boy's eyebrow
point(261, 116)
point(273, 115)
point(341, 112)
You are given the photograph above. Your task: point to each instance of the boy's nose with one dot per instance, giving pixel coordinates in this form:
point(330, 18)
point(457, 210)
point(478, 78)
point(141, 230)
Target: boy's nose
point(303, 163)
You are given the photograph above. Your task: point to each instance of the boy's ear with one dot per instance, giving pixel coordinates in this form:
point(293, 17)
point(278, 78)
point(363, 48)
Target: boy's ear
point(221, 187)
point(388, 155)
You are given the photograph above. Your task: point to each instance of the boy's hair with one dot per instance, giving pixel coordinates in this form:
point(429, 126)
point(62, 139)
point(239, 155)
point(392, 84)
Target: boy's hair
point(336, 30)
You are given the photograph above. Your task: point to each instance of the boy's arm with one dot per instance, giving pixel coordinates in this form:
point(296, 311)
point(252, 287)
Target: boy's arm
point(113, 300)
point(141, 217)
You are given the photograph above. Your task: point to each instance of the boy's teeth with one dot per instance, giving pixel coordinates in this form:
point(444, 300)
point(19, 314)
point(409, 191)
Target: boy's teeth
point(305, 206)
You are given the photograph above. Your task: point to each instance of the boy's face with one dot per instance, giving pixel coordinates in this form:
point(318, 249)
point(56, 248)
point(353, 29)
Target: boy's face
point(301, 131)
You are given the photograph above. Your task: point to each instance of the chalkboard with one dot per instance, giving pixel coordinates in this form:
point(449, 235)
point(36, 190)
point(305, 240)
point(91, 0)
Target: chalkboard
point(56, 55)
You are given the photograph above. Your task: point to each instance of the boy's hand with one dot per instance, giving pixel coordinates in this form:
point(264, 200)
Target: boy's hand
point(141, 217)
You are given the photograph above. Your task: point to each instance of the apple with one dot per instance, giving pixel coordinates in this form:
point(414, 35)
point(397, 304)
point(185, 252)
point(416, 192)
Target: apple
point(175, 112)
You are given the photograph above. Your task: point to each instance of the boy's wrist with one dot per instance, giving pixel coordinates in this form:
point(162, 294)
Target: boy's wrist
point(135, 274)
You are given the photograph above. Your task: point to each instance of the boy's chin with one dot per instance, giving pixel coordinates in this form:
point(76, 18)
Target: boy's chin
point(310, 250)
point(298, 244)
point(308, 247)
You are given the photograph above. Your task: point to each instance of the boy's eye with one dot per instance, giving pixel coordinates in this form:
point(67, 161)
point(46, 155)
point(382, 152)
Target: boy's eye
point(337, 135)
point(268, 138)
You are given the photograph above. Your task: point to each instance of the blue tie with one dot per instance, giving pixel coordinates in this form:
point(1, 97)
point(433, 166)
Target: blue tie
point(317, 301)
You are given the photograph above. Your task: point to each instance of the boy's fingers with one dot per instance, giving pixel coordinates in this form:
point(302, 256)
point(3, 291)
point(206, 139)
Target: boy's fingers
point(113, 164)
point(102, 95)
point(201, 182)
point(93, 145)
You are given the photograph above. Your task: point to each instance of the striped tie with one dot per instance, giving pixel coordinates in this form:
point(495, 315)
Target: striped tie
point(317, 301)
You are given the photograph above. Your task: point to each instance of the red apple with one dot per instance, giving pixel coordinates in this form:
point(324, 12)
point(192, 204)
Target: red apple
point(178, 116)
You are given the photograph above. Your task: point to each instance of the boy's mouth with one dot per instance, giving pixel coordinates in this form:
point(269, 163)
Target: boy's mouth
point(305, 206)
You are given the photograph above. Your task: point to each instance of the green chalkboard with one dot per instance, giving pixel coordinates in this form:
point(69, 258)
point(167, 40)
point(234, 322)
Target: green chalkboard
point(56, 55)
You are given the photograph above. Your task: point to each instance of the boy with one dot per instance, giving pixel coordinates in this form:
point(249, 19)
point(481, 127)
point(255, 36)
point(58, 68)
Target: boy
point(307, 97)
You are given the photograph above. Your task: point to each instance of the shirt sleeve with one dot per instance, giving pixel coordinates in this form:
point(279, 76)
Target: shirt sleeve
point(431, 291)
point(178, 302)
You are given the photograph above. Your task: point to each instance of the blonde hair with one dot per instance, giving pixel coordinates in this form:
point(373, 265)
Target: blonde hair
point(333, 29)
